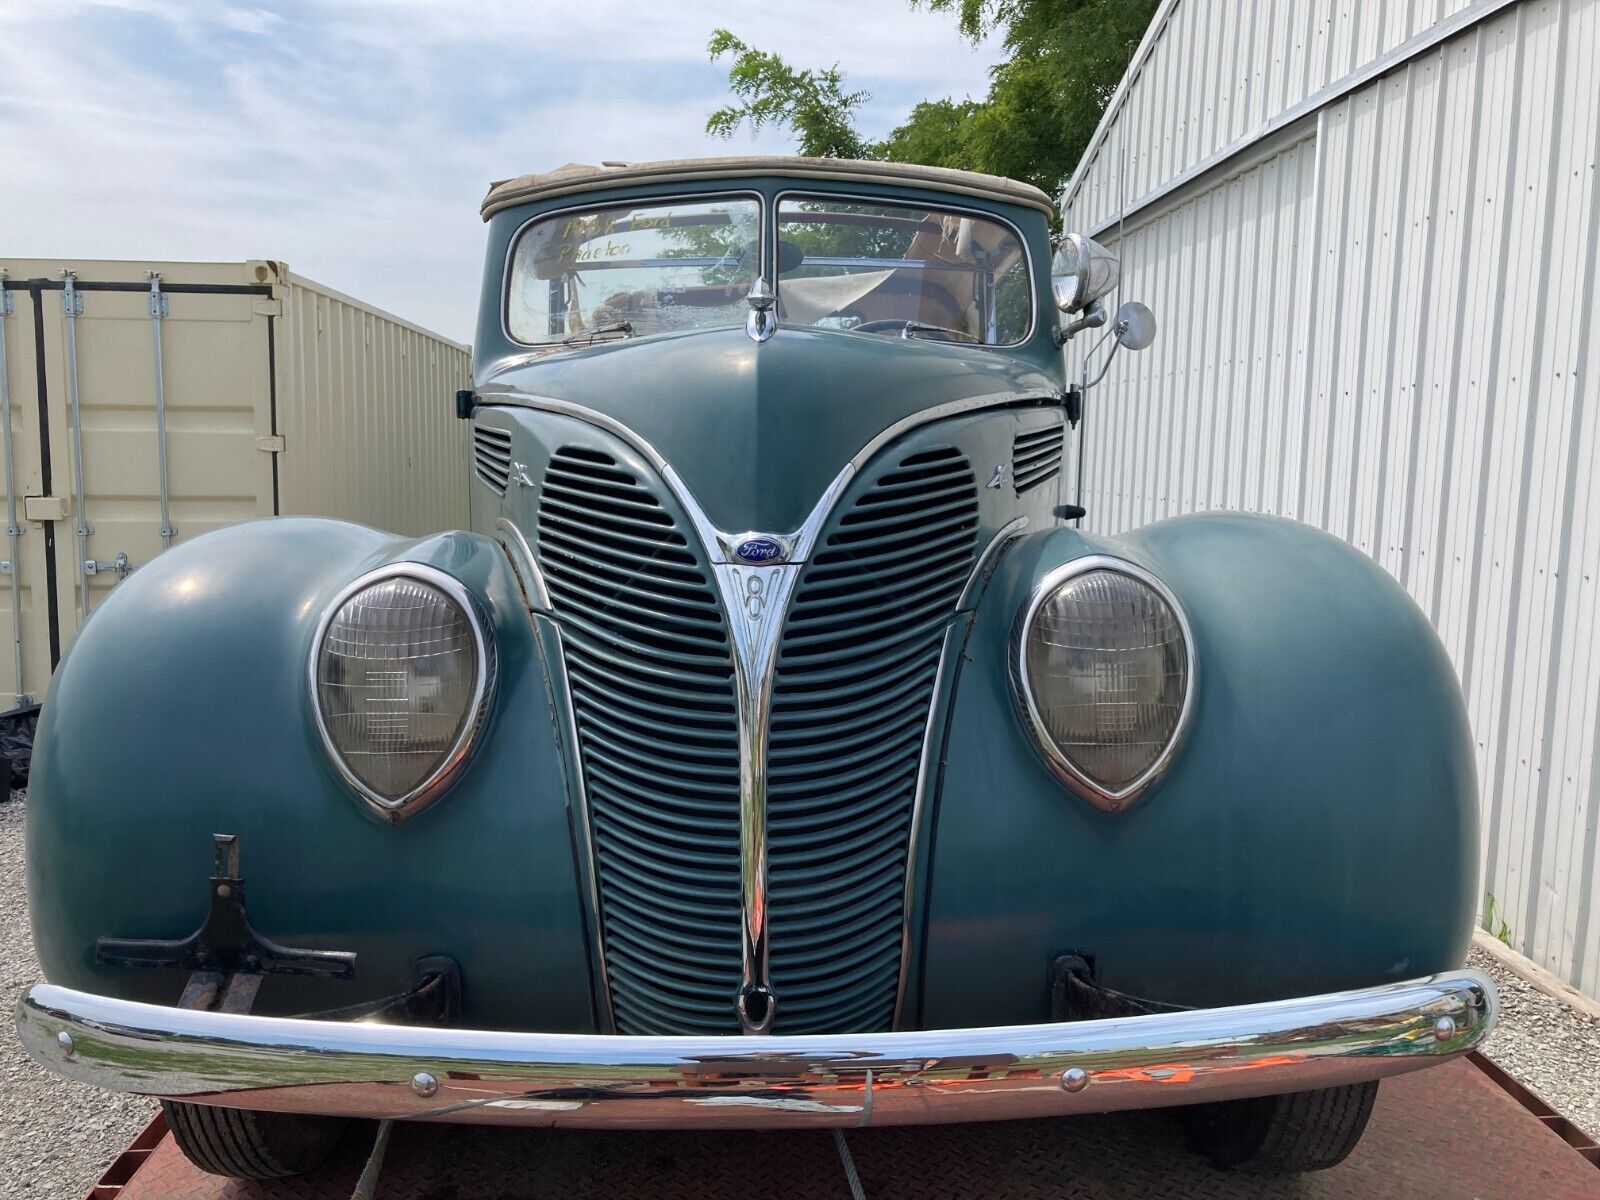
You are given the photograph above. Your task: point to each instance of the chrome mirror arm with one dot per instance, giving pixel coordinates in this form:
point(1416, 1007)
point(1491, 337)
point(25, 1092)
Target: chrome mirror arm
point(1093, 317)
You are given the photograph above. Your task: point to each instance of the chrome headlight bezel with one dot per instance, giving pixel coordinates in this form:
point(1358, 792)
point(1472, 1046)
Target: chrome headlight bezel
point(439, 780)
point(1062, 767)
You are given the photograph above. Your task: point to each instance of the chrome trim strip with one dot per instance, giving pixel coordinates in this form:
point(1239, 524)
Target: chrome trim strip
point(544, 349)
point(580, 815)
point(756, 599)
point(756, 635)
point(954, 639)
point(524, 563)
point(397, 809)
point(959, 209)
point(1064, 769)
point(703, 526)
point(605, 1080)
point(951, 408)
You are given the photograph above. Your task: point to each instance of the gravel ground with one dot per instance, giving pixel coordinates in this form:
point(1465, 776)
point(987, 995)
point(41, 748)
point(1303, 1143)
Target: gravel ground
point(1546, 1045)
point(56, 1138)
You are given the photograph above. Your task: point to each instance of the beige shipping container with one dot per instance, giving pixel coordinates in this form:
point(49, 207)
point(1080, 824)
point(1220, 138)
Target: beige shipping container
point(145, 404)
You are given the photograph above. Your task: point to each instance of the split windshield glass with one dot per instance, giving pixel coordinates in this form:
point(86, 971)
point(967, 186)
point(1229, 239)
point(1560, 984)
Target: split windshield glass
point(654, 268)
point(913, 271)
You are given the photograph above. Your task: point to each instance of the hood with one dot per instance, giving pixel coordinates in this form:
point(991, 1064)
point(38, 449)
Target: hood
point(758, 432)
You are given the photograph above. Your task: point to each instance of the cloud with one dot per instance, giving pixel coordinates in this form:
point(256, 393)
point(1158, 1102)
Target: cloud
point(354, 140)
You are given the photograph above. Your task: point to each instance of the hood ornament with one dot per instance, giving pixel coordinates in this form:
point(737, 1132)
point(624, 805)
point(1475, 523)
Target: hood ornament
point(762, 322)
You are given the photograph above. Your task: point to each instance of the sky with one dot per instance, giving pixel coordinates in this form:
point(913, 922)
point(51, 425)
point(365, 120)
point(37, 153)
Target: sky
point(355, 140)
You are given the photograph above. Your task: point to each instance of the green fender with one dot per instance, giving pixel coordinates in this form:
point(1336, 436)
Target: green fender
point(183, 711)
point(1317, 829)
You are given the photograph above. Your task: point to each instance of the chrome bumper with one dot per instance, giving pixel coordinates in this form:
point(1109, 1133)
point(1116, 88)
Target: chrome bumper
point(367, 1070)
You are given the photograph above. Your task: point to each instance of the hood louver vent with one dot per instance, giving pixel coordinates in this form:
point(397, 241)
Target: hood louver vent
point(1036, 456)
point(491, 456)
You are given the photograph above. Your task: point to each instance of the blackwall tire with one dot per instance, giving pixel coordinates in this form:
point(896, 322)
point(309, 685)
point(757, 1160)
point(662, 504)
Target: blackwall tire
point(1282, 1135)
point(240, 1144)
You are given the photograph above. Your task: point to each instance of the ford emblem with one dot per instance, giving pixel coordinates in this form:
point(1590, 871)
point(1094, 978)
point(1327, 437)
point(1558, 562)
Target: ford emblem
point(759, 550)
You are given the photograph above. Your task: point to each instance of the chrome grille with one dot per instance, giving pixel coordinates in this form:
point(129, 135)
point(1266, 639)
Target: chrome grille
point(491, 456)
point(854, 684)
point(649, 664)
point(1036, 456)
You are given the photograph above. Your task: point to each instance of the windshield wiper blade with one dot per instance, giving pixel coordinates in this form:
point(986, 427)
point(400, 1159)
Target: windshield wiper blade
point(913, 328)
point(587, 336)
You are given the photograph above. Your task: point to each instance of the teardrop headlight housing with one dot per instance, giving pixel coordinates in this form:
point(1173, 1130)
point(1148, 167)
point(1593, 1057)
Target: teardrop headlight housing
point(402, 671)
point(1103, 671)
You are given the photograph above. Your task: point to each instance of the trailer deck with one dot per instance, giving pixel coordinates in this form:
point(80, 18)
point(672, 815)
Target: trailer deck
point(1459, 1130)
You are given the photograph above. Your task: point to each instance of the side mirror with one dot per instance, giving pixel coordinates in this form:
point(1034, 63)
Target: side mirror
point(1135, 326)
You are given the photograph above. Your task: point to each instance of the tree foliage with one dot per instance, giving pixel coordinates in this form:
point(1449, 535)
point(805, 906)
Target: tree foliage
point(1064, 60)
point(812, 104)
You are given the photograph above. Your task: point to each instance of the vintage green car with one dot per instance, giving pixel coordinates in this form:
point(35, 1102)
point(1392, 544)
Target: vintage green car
point(774, 750)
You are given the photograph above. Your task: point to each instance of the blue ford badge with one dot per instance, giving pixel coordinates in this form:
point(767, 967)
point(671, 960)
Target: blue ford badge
point(759, 550)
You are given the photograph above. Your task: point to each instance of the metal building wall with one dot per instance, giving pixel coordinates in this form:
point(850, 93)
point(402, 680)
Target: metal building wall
point(1381, 319)
point(1211, 73)
point(366, 409)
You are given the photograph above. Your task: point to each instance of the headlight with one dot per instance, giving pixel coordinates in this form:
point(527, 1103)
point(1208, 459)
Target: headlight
point(401, 673)
point(1082, 271)
point(1103, 667)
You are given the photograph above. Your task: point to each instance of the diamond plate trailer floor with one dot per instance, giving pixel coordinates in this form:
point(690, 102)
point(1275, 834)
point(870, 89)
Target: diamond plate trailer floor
point(1453, 1131)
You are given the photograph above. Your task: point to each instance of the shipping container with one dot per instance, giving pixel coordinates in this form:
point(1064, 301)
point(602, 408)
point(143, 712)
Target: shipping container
point(145, 404)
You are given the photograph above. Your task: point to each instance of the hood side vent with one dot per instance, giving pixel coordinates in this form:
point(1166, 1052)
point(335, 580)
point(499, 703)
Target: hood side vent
point(1036, 456)
point(491, 456)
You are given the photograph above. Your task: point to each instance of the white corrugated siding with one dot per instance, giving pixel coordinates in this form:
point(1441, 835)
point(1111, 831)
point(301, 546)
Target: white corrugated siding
point(1384, 325)
point(366, 408)
point(1214, 71)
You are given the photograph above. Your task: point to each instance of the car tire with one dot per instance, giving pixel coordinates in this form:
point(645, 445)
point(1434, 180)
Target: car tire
point(1282, 1135)
point(241, 1144)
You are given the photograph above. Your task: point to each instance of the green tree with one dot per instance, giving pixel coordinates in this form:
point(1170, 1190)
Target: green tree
point(812, 104)
point(1065, 58)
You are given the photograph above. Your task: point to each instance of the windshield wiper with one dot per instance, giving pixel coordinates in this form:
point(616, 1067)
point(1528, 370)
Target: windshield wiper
point(915, 327)
point(589, 336)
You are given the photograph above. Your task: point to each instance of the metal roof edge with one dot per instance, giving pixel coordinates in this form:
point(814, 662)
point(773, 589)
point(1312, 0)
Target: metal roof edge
point(1390, 60)
point(1146, 47)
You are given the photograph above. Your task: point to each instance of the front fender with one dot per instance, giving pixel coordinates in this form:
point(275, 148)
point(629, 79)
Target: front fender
point(183, 711)
point(1317, 829)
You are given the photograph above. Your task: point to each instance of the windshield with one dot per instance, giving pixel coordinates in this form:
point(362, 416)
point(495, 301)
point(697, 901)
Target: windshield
point(917, 272)
point(650, 268)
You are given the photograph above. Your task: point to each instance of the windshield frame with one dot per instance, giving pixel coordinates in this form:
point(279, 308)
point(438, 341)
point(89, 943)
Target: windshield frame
point(770, 204)
point(901, 201)
point(763, 244)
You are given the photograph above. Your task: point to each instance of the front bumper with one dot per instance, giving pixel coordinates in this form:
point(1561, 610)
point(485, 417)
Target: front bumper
point(904, 1078)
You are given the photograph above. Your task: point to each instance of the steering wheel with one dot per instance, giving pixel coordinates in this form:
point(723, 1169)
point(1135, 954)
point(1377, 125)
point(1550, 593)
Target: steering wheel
point(883, 325)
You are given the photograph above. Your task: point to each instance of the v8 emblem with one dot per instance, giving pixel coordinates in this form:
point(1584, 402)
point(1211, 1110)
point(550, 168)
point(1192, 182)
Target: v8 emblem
point(755, 595)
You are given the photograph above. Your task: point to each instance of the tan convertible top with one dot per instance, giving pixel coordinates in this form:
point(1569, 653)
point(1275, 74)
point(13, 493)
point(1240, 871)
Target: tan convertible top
point(582, 177)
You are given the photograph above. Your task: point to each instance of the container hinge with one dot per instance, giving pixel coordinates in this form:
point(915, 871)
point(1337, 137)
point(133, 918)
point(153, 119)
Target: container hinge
point(270, 445)
point(71, 297)
point(158, 299)
point(119, 566)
